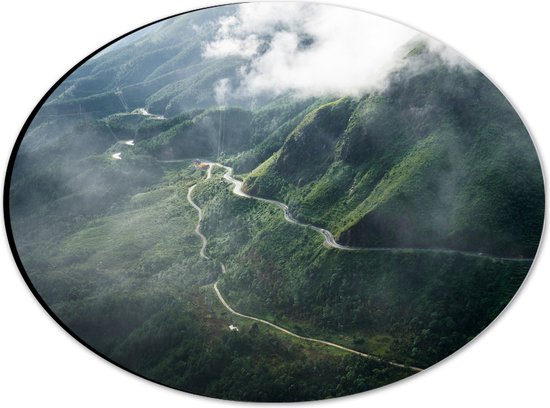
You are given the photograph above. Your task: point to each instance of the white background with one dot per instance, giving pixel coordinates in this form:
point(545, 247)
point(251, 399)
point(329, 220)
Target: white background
point(41, 364)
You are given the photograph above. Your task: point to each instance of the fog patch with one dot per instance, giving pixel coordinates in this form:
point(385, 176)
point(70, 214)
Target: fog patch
point(221, 89)
point(447, 54)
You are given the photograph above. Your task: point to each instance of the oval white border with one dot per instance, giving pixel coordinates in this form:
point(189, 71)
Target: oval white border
point(505, 366)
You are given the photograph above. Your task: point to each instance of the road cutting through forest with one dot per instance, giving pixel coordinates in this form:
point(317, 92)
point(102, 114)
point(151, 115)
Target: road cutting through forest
point(329, 239)
point(238, 191)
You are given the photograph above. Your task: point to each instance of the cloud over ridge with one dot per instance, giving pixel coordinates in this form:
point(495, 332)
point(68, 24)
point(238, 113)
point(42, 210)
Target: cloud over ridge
point(307, 49)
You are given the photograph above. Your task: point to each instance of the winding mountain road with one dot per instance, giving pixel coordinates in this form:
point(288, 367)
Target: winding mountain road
point(329, 239)
point(310, 339)
point(238, 191)
point(198, 227)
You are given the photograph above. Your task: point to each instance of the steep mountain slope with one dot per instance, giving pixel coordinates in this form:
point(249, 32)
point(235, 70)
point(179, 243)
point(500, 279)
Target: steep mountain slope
point(438, 159)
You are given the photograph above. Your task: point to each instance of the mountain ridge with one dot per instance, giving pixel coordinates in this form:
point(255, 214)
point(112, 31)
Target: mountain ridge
point(401, 164)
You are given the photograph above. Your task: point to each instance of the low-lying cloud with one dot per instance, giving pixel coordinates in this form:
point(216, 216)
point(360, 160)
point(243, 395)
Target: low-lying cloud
point(310, 50)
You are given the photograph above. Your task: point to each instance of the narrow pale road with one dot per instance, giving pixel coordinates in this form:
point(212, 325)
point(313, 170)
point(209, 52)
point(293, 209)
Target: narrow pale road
point(198, 227)
point(204, 241)
point(330, 241)
point(326, 343)
point(237, 190)
point(144, 112)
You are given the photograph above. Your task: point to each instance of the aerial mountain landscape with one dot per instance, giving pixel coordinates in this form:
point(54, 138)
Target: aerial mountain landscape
point(275, 202)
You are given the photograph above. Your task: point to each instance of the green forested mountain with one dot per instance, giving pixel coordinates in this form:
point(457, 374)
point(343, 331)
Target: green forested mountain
point(429, 183)
point(439, 159)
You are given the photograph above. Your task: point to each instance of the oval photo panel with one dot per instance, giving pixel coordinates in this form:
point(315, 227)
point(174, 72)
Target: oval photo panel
point(274, 202)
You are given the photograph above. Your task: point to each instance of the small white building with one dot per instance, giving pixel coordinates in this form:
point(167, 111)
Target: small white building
point(233, 328)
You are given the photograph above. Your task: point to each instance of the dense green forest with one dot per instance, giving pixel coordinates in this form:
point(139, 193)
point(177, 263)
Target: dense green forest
point(397, 304)
point(432, 180)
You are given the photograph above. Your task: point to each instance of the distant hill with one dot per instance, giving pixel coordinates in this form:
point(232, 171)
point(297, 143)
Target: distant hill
point(161, 70)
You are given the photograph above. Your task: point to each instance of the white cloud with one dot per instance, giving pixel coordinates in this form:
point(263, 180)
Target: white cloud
point(225, 46)
point(308, 49)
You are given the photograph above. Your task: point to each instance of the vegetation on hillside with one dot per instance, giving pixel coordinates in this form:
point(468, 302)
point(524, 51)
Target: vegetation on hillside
point(411, 306)
point(438, 159)
point(433, 178)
